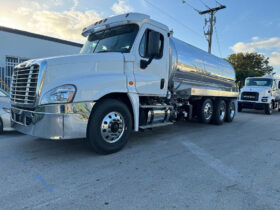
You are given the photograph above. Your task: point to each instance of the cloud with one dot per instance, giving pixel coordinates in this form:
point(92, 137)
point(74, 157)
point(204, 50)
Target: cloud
point(255, 38)
point(39, 18)
point(121, 7)
point(275, 58)
point(66, 25)
point(256, 44)
point(76, 3)
point(272, 45)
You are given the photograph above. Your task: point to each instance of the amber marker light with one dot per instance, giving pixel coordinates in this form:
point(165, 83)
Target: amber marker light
point(131, 83)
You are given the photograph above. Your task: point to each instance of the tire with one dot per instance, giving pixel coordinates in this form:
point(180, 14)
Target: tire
point(205, 111)
point(230, 111)
point(268, 108)
point(219, 113)
point(1, 126)
point(239, 107)
point(109, 127)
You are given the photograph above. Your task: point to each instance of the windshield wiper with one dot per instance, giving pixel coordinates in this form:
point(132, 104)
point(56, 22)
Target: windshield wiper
point(104, 51)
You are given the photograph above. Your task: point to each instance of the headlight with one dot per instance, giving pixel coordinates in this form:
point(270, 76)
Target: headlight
point(62, 94)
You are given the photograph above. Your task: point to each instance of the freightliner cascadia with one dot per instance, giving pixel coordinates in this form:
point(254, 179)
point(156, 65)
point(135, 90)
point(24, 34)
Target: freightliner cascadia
point(131, 75)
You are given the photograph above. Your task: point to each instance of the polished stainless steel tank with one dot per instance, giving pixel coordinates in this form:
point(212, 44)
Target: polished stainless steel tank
point(191, 67)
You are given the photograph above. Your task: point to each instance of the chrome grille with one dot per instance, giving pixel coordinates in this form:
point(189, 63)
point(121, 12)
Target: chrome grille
point(250, 96)
point(24, 84)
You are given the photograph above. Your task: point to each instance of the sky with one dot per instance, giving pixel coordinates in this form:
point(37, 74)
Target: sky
point(244, 26)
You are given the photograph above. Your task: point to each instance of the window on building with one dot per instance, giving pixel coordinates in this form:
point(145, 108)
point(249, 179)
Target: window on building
point(11, 62)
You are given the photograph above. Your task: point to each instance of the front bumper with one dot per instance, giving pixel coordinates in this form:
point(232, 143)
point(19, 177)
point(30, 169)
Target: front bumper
point(251, 105)
point(55, 121)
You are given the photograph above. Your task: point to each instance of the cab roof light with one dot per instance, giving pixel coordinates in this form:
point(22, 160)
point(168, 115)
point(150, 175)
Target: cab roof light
point(95, 23)
point(105, 20)
point(100, 21)
point(127, 15)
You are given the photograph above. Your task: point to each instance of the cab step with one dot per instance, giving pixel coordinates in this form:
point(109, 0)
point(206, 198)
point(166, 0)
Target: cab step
point(155, 125)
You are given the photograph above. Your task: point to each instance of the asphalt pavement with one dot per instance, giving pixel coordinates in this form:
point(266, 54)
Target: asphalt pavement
point(184, 166)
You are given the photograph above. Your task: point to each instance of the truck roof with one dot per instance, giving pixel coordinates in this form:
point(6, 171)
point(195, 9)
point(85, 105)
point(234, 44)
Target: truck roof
point(121, 19)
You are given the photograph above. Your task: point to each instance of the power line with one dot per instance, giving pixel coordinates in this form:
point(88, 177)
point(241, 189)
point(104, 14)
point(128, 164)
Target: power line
point(185, 2)
point(177, 21)
point(204, 4)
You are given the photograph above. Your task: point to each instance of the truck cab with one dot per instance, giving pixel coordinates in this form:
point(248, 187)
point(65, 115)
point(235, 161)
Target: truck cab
point(262, 93)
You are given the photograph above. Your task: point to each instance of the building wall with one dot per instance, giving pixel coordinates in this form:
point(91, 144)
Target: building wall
point(18, 48)
point(29, 47)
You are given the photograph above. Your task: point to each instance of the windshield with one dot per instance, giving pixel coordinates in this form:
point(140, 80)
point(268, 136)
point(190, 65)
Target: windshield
point(258, 82)
point(117, 39)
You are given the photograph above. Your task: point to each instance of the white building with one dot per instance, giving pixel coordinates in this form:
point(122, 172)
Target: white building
point(17, 46)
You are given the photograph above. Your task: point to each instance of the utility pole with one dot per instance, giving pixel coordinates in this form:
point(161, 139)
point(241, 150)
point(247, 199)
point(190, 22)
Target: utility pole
point(212, 22)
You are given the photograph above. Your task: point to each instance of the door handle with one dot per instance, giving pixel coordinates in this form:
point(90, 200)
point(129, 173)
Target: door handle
point(162, 81)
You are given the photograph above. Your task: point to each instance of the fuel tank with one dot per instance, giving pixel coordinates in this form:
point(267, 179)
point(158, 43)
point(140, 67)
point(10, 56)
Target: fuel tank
point(191, 67)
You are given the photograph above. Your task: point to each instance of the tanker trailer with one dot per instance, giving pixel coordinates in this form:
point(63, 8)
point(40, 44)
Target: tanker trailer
point(131, 75)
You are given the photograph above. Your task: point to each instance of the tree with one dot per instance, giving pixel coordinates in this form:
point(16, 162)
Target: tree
point(249, 65)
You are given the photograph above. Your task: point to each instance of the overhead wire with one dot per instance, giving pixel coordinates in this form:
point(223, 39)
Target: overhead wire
point(204, 4)
point(183, 24)
point(185, 2)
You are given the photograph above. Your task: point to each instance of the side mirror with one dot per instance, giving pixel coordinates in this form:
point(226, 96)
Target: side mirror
point(153, 49)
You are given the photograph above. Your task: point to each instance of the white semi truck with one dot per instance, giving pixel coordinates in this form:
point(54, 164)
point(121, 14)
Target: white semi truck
point(262, 93)
point(131, 74)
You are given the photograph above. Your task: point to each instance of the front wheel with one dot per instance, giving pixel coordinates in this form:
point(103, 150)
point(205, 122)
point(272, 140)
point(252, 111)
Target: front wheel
point(109, 126)
point(268, 108)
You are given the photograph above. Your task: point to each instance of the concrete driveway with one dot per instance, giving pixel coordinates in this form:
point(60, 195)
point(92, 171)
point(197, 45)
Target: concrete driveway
point(186, 166)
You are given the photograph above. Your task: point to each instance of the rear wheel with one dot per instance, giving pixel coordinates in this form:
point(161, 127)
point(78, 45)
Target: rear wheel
point(205, 111)
point(219, 113)
point(268, 108)
point(109, 126)
point(230, 111)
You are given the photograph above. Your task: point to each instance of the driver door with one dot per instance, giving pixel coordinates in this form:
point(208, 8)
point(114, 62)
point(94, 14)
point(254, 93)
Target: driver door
point(153, 80)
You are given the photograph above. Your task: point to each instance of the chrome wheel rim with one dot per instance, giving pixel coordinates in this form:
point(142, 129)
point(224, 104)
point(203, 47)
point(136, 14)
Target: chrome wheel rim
point(112, 127)
point(222, 112)
point(208, 111)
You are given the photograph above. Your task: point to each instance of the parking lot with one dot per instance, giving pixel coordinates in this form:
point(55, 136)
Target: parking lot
point(186, 166)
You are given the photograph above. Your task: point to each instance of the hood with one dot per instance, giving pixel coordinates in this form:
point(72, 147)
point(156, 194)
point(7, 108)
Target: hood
point(81, 69)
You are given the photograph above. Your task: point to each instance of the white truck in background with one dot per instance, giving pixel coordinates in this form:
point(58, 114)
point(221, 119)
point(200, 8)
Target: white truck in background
point(261, 93)
point(131, 74)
